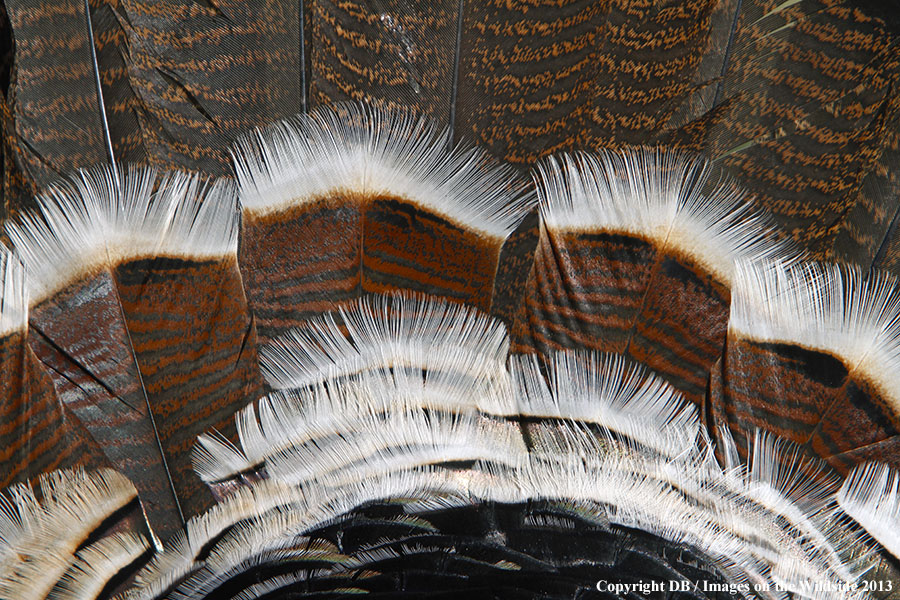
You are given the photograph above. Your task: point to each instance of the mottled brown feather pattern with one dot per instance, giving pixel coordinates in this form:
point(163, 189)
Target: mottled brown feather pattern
point(17, 187)
point(704, 93)
point(527, 75)
point(646, 66)
point(534, 77)
point(862, 233)
point(206, 73)
point(55, 120)
point(397, 52)
point(797, 104)
point(810, 91)
point(868, 234)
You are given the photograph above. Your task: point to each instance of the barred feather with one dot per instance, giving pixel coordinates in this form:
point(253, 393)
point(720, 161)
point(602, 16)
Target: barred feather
point(299, 374)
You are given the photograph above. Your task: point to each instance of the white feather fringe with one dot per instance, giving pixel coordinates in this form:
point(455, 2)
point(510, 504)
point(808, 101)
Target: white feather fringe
point(826, 307)
point(871, 495)
point(661, 194)
point(13, 294)
point(361, 151)
point(38, 540)
point(101, 217)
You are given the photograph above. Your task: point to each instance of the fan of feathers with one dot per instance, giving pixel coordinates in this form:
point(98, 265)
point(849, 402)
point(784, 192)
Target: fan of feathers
point(463, 298)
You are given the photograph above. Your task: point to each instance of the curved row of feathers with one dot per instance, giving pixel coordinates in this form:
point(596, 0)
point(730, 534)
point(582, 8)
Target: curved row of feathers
point(145, 314)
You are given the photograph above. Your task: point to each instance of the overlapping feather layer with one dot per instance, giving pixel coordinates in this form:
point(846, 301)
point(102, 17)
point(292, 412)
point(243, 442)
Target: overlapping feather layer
point(401, 449)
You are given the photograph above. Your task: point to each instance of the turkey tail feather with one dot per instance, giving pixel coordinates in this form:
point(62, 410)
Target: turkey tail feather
point(635, 257)
point(415, 48)
point(810, 357)
point(378, 201)
point(152, 261)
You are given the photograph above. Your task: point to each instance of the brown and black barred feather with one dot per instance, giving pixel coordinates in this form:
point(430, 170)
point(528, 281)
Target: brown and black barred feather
point(635, 257)
point(494, 299)
point(39, 433)
point(151, 263)
point(820, 339)
point(381, 201)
